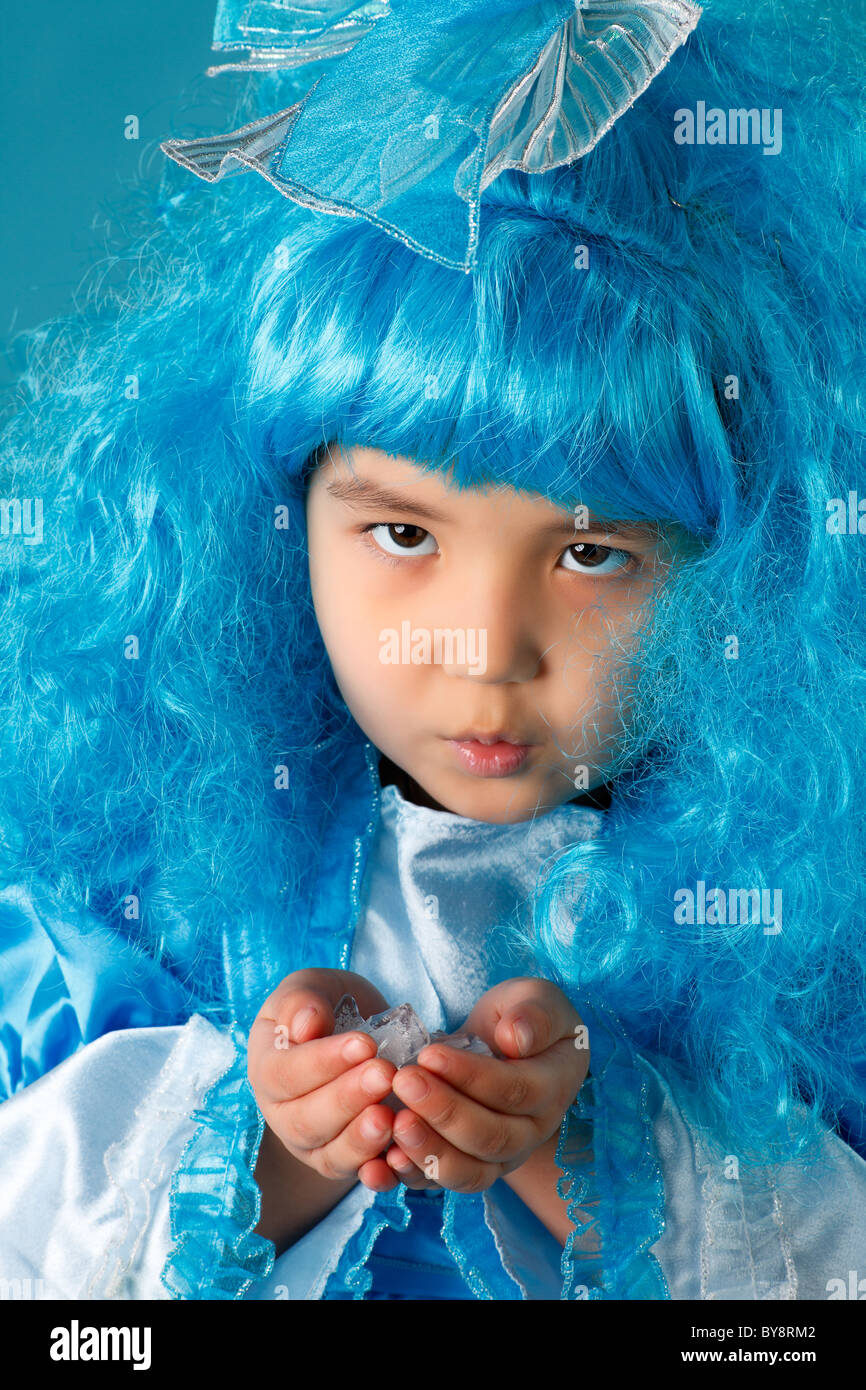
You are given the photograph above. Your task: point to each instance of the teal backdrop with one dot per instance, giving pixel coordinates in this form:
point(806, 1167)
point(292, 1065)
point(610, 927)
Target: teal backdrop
point(70, 76)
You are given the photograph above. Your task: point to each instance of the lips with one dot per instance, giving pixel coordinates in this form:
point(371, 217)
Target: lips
point(475, 736)
point(490, 755)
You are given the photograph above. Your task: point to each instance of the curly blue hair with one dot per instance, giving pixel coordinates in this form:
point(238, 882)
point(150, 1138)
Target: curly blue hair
point(701, 370)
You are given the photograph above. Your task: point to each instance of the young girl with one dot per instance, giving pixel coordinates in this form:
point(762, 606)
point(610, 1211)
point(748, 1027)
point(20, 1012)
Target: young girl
point(449, 594)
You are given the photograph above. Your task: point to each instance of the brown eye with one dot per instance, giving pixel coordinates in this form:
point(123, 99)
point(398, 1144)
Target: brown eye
point(406, 535)
point(402, 538)
point(589, 558)
point(589, 554)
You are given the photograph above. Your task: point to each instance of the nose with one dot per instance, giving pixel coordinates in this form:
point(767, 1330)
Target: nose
point(498, 633)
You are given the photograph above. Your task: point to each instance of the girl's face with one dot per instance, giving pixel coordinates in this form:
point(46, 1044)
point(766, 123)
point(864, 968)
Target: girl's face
point(449, 613)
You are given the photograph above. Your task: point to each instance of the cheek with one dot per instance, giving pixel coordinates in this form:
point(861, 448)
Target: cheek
point(330, 588)
point(593, 645)
point(345, 625)
point(610, 628)
point(350, 620)
point(596, 669)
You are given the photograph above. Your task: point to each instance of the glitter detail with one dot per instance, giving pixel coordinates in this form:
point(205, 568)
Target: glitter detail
point(359, 849)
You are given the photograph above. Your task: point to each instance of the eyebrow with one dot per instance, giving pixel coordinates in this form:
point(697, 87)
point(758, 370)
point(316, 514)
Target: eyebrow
point(359, 492)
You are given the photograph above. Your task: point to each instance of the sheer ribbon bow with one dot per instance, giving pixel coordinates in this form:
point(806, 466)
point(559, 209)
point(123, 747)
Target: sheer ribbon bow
point(420, 104)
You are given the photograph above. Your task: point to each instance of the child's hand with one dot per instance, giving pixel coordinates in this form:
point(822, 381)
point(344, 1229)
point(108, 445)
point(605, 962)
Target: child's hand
point(482, 1117)
point(318, 1092)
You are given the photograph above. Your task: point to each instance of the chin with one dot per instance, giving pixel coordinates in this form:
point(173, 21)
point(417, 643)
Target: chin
point(498, 801)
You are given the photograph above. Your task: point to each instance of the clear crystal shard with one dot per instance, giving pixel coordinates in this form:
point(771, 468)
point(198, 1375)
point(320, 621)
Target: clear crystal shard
point(347, 1018)
point(399, 1033)
point(465, 1042)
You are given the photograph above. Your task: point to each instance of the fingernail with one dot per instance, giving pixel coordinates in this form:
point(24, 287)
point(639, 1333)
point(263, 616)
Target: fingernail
point(412, 1135)
point(373, 1080)
point(356, 1049)
point(433, 1061)
point(300, 1021)
point(372, 1127)
point(523, 1035)
point(412, 1087)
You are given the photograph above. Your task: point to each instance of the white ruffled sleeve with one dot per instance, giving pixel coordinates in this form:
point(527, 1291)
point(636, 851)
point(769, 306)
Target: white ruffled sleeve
point(88, 1153)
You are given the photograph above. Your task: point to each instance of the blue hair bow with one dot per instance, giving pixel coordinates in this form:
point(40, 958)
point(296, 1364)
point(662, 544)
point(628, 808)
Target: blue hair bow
point(422, 103)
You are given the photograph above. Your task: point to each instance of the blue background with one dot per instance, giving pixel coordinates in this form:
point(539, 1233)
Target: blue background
point(70, 72)
point(69, 75)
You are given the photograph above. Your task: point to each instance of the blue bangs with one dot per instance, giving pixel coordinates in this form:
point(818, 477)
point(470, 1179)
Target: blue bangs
point(581, 385)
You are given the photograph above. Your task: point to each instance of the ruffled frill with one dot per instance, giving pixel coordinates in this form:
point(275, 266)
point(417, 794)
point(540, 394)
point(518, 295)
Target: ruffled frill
point(744, 1244)
point(465, 1232)
point(215, 1204)
point(474, 1249)
point(351, 1275)
point(138, 1166)
point(612, 1179)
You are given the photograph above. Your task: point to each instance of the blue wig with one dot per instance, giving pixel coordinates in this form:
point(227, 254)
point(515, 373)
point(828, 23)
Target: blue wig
point(160, 654)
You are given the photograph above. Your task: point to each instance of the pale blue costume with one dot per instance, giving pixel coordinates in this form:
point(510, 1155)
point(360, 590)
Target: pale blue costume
point(128, 1130)
point(129, 1139)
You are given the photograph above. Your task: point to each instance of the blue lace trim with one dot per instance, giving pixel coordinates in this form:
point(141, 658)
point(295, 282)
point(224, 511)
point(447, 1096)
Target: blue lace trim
point(474, 1249)
point(214, 1201)
point(612, 1181)
point(351, 1274)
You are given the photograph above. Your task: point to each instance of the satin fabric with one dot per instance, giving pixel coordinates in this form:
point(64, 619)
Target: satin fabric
point(88, 1152)
point(92, 1146)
